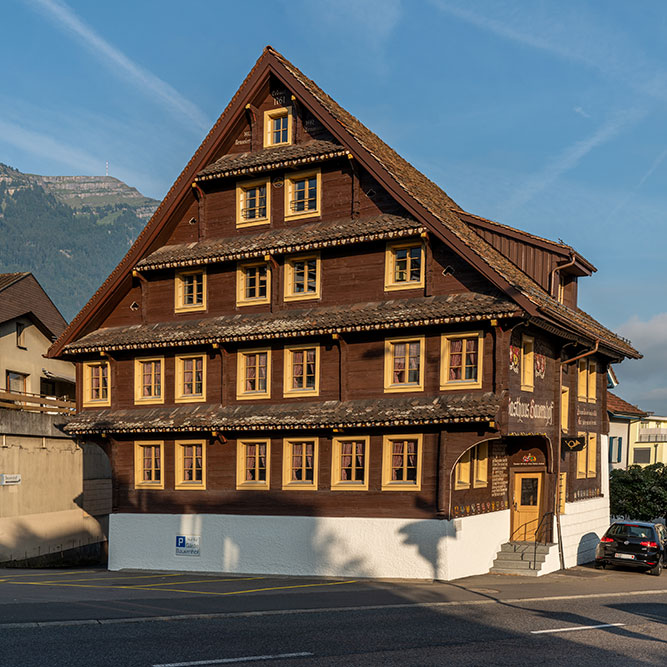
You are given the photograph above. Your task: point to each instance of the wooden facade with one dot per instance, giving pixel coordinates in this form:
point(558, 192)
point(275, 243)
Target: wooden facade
point(326, 292)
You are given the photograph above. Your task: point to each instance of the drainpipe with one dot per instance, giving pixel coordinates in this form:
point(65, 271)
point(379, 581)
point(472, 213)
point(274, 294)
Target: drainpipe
point(560, 393)
point(552, 275)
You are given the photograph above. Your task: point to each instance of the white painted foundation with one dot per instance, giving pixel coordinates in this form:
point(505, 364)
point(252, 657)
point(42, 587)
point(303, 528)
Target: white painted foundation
point(320, 546)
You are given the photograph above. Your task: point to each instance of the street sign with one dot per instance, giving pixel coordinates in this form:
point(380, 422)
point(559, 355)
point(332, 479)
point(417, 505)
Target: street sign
point(572, 444)
point(188, 545)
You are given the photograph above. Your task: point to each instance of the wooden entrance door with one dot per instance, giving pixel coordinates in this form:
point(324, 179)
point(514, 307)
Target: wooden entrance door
point(526, 505)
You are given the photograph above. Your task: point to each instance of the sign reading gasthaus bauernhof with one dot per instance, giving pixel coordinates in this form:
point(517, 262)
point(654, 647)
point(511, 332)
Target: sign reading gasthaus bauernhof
point(188, 545)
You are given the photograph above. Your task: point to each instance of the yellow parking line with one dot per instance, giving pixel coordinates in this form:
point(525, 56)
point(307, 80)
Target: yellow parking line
point(179, 590)
point(8, 577)
point(200, 581)
point(129, 576)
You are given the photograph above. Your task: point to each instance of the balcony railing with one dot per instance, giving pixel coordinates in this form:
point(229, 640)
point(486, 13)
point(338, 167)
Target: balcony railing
point(16, 400)
point(658, 434)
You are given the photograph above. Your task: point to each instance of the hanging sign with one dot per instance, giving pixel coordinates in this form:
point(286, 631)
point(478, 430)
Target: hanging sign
point(572, 444)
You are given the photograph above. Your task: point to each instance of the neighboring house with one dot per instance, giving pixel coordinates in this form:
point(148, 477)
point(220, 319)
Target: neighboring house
point(649, 440)
point(312, 361)
point(624, 419)
point(46, 479)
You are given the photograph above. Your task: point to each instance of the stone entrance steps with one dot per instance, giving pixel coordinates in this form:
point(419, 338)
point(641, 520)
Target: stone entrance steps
point(522, 558)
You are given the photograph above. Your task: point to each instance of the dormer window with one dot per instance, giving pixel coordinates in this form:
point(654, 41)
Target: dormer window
point(277, 127)
point(190, 291)
point(302, 195)
point(252, 203)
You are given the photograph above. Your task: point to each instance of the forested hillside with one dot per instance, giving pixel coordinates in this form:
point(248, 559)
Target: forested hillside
point(71, 251)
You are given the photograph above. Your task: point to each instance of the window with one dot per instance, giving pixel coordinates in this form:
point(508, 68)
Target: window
point(401, 463)
point(190, 291)
point(302, 195)
point(404, 266)
point(148, 465)
point(253, 374)
point(349, 464)
point(253, 464)
point(253, 203)
point(148, 380)
point(190, 378)
point(642, 455)
point(277, 127)
point(302, 370)
point(404, 364)
point(253, 284)
point(472, 468)
point(302, 278)
point(461, 361)
point(564, 409)
point(16, 382)
point(587, 380)
point(592, 453)
point(96, 384)
point(190, 458)
point(527, 363)
point(300, 463)
point(615, 449)
point(20, 335)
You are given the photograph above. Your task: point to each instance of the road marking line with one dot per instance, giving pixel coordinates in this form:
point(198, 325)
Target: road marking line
point(179, 590)
point(224, 661)
point(578, 627)
point(200, 581)
point(143, 576)
point(8, 577)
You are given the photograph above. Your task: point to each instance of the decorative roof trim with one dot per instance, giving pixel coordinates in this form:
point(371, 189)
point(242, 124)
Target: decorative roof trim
point(284, 250)
point(292, 333)
point(271, 165)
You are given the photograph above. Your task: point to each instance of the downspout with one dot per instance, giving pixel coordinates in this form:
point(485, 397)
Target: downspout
point(559, 268)
point(561, 555)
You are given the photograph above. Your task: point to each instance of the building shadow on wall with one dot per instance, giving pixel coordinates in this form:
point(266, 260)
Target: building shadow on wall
point(421, 534)
point(586, 548)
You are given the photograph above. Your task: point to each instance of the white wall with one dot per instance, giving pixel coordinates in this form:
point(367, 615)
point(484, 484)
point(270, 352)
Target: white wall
point(357, 547)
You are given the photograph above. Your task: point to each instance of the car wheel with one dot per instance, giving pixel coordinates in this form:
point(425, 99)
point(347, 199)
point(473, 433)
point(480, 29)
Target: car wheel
point(657, 570)
point(600, 565)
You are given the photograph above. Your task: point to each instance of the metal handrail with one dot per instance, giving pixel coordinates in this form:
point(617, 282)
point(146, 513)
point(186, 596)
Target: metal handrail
point(537, 532)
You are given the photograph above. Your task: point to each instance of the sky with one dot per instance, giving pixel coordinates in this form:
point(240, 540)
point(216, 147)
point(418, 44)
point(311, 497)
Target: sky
point(544, 115)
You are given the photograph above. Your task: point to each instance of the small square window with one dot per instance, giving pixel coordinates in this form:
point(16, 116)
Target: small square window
point(349, 463)
point(253, 284)
point(404, 266)
point(461, 361)
point(401, 463)
point(300, 461)
point(148, 380)
point(148, 465)
point(253, 203)
point(404, 364)
point(190, 291)
point(278, 127)
point(253, 464)
point(96, 384)
point(190, 378)
point(302, 278)
point(302, 195)
point(301, 370)
point(253, 374)
point(190, 459)
point(16, 382)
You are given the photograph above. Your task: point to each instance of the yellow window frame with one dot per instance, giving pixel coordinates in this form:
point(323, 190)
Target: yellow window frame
point(269, 116)
point(387, 454)
point(390, 284)
point(242, 190)
point(289, 293)
point(179, 292)
point(445, 347)
point(139, 482)
point(288, 355)
point(179, 459)
point(241, 467)
point(180, 396)
point(389, 346)
point(339, 484)
point(87, 400)
point(298, 485)
point(527, 363)
point(138, 381)
point(241, 284)
point(241, 393)
point(290, 184)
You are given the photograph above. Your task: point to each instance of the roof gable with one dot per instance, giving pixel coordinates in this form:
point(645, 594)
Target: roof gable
point(411, 189)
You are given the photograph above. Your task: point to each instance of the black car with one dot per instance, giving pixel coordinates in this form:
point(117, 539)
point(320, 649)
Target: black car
point(633, 543)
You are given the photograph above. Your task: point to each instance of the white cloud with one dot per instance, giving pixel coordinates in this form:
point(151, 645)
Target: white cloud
point(146, 82)
point(582, 112)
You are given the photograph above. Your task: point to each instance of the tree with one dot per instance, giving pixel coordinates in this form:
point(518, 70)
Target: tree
point(639, 493)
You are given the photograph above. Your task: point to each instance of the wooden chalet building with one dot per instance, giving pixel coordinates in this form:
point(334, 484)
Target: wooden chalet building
point(312, 361)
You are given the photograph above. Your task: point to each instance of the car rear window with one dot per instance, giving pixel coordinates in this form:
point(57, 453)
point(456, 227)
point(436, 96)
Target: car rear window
point(630, 530)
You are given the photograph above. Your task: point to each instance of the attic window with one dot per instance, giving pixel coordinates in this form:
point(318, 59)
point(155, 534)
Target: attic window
point(277, 127)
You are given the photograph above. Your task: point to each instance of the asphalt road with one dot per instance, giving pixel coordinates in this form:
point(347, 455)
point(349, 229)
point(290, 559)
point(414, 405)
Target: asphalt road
point(94, 617)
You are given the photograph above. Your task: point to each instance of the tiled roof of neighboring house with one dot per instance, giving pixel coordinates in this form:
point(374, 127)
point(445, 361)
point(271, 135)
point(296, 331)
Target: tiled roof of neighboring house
point(277, 157)
point(268, 242)
point(21, 295)
point(467, 307)
point(439, 204)
point(617, 405)
point(450, 408)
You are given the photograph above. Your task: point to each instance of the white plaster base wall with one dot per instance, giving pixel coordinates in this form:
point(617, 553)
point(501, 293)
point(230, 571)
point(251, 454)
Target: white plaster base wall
point(322, 546)
point(33, 535)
